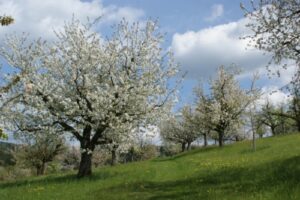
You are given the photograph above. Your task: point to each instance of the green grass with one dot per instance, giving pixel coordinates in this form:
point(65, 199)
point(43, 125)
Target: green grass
point(232, 172)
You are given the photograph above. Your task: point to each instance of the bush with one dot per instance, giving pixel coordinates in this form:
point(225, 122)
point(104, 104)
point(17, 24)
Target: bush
point(53, 167)
point(149, 152)
point(14, 172)
point(169, 150)
point(138, 154)
point(70, 159)
point(101, 157)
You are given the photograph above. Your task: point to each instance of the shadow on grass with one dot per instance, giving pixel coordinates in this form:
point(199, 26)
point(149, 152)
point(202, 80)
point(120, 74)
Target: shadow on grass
point(57, 179)
point(279, 178)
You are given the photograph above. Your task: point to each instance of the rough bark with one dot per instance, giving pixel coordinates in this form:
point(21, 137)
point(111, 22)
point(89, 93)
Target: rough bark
point(273, 130)
point(189, 146)
point(114, 155)
point(183, 147)
point(85, 167)
point(40, 169)
point(220, 139)
point(87, 146)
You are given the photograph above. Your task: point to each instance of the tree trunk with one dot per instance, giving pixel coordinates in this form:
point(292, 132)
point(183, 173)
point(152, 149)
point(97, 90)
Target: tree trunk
point(189, 146)
point(114, 155)
point(253, 141)
point(87, 145)
point(298, 125)
point(221, 139)
point(237, 138)
point(183, 147)
point(205, 140)
point(85, 167)
point(40, 169)
point(273, 130)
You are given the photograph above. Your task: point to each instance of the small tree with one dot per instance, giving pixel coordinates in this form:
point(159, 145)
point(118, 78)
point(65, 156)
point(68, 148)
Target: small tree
point(203, 114)
point(228, 102)
point(171, 130)
point(269, 117)
point(38, 149)
point(293, 111)
point(180, 130)
point(190, 129)
point(258, 126)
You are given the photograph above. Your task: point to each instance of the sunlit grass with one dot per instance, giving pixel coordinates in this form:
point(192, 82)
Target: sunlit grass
point(232, 172)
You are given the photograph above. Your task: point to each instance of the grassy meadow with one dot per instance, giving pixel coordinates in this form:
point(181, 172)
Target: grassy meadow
point(232, 172)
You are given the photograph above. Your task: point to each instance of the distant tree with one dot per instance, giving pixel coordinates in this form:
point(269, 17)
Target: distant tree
point(38, 149)
point(142, 136)
point(180, 130)
point(228, 102)
point(171, 130)
point(269, 117)
point(259, 127)
point(190, 129)
point(294, 107)
point(203, 114)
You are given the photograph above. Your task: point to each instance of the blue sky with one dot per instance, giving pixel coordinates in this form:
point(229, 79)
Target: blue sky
point(183, 15)
point(203, 34)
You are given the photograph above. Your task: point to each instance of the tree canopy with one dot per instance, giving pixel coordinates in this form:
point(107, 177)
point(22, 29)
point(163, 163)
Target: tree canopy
point(88, 85)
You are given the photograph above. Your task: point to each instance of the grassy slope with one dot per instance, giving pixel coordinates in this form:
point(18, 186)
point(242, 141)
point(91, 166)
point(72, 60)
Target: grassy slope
point(233, 172)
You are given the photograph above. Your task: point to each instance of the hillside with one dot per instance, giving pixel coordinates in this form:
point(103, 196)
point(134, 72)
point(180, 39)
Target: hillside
point(233, 172)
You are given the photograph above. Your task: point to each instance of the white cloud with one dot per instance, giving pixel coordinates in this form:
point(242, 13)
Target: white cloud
point(39, 18)
point(217, 11)
point(274, 95)
point(201, 52)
